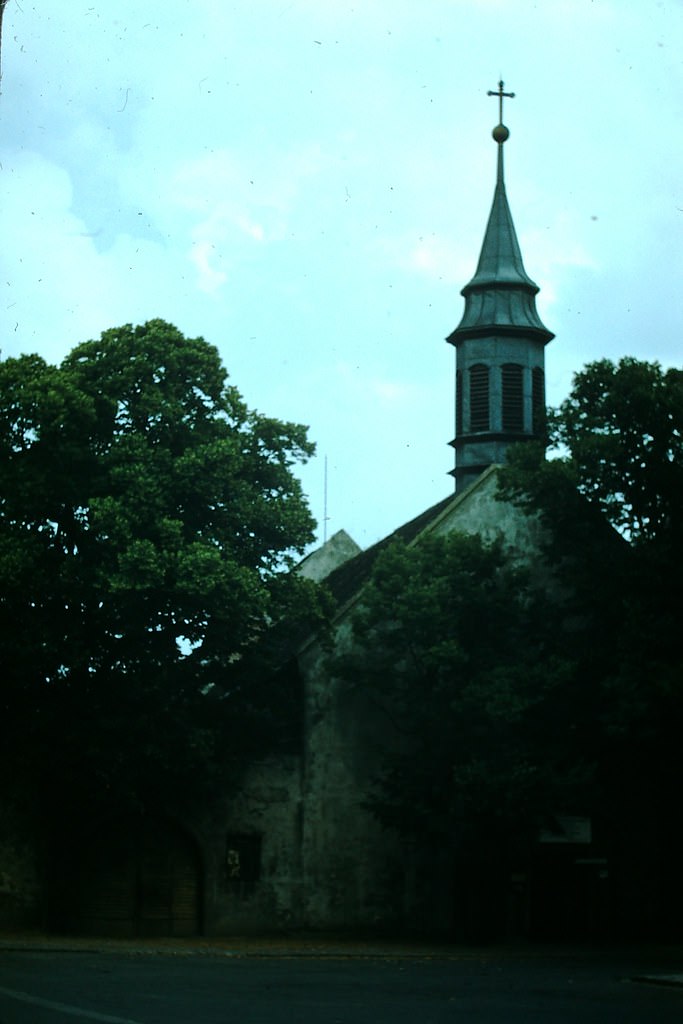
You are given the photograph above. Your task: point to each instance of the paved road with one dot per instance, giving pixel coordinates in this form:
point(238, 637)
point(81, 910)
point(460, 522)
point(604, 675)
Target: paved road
point(79, 988)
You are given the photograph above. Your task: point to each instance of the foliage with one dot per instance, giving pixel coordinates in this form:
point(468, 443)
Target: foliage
point(507, 702)
point(623, 428)
point(146, 520)
point(617, 443)
point(458, 647)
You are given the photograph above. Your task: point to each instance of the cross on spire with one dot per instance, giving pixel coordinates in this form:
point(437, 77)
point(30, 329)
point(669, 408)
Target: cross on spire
point(500, 94)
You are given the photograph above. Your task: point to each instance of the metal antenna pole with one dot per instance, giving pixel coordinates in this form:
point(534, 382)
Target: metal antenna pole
point(325, 505)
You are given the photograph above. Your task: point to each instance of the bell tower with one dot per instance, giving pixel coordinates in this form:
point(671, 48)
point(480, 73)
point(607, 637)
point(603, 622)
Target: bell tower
point(499, 343)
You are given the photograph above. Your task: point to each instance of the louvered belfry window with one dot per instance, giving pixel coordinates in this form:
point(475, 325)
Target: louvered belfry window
point(513, 397)
point(538, 399)
point(458, 403)
point(479, 397)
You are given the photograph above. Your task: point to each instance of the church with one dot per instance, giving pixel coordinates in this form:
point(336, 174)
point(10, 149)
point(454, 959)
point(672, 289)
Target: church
point(333, 866)
point(297, 848)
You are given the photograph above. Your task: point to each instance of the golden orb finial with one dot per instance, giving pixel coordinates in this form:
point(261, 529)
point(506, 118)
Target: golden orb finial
point(501, 133)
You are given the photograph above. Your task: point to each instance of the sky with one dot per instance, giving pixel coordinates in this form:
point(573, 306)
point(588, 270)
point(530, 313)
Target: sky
point(306, 183)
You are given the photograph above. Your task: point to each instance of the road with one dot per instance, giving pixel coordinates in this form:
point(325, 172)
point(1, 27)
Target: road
point(474, 988)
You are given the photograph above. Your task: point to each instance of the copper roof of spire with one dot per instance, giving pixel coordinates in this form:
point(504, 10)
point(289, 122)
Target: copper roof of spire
point(501, 294)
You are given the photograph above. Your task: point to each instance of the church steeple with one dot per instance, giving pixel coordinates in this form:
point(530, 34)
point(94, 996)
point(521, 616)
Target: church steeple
point(500, 340)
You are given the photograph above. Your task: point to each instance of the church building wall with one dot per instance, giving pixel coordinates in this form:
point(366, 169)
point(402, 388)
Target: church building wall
point(357, 874)
point(354, 872)
point(253, 844)
point(480, 512)
point(347, 856)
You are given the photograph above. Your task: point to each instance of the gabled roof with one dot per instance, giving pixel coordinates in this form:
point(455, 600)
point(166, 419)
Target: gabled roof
point(346, 583)
point(318, 564)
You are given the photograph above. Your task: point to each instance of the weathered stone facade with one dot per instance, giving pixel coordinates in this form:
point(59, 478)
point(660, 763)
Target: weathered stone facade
point(325, 861)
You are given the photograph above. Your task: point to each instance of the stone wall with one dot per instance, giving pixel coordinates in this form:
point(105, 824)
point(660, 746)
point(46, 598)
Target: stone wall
point(358, 875)
point(253, 852)
point(478, 510)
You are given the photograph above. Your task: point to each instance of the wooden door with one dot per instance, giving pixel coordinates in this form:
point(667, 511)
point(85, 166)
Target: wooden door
point(138, 876)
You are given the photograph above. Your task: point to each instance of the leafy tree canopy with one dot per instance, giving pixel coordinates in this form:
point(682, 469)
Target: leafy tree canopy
point(617, 465)
point(146, 518)
point(513, 705)
point(619, 438)
point(457, 647)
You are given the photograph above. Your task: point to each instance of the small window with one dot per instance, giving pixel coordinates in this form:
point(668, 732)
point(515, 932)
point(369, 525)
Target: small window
point(242, 859)
point(513, 397)
point(538, 400)
point(479, 397)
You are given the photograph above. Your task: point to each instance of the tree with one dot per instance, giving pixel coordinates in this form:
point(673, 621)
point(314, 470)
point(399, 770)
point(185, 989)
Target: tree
point(147, 522)
point(623, 428)
point(617, 442)
point(458, 647)
point(461, 653)
point(611, 499)
point(510, 703)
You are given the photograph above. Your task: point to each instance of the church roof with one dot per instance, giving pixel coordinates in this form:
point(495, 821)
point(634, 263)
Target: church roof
point(346, 582)
point(318, 565)
point(501, 295)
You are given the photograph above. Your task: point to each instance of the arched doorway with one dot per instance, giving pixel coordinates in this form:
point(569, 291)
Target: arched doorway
point(134, 876)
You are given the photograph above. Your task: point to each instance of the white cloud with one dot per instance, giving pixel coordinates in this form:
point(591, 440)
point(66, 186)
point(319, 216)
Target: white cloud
point(60, 285)
point(209, 279)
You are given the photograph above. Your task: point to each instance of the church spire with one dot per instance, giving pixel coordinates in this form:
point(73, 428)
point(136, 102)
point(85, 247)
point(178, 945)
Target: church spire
point(501, 293)
point(499, 342)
